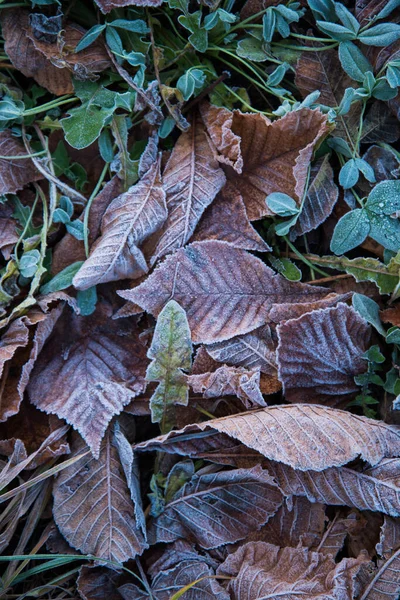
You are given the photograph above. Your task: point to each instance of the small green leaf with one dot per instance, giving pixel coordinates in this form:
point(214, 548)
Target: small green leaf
point(106, 146)
point(369, 310)
point(28, 263)
point(170, 353)
point(75, 228)
point(190, 82)
point(340, 146)
point(365, 169)
point(337, 32)
point(353, 61)
point(251, 48)
point(380, 35)
point(136, 26)
point(282, 204)
point(349, 174)
point(385, 198)
point(393, 335)
point(62, 280)
point(89, 37)
point(87, 300)
point(350, 231)
point(269, 24)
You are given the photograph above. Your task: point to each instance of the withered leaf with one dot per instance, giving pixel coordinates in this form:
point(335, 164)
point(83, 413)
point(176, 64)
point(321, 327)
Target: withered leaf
point(229, 381)
point(380, 125)
point(191, 180)
point(321, 197)
point(276, 156)
point(97, 583)
point(255, 350)
point(286, 310)
point(261, 570)
point(107, 5)
point(322, 71)
point(305, 437)
point(51, 65)
point(367, 10)
point(225, 291)
point(127, 222)
point(339, 486)
point(14, 174)
point(390, 537)
point(337, 531)
point(89, 377)
point(171, 353)
point(386, 582)
point(219, 124)
point(320, 353)
point(8, 231)
point(226, 220)
point(93, 507)
point(213, 509)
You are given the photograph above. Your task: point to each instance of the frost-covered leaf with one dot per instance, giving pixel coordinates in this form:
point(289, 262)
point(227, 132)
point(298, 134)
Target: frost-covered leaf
point(305, 437)
point(261, 570)
point(97, 583)
point(212, 509)
point(255, 350)
point(226, 220)
point(107, 5)
point(93, 507)
point(89, 370)
point(320, 353)
point(276, 155)
point(321, 197)
point(386, 582)
point(128, 221)
point(224, 291)
point(235, 381)
point(171, 353)
point(14, 174)
point(219, 123)
point(191, 180)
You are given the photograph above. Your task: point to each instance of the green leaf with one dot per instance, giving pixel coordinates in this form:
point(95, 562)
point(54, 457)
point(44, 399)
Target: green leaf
point(87, 300)
point(323, 8)
point(365, 169)
point(383, 91)
point(285, 267)
point(385, 198)
point(62, 280)
point(369, 310)
point(347, 19)
point(171, 353)
point(393, 335)
point(75, 228)
point(136, 26)
point(380, 35)
point(340, 146)
point(349, 174)
point(282, 204)
point(251, 48)
point(190, 82)
point(61, 216)
point(114, 41)
point(199, 36)
point(393, 76)
point(353, 61)
point(350, 231)
point(89, 37)
point(385, 230)
point(28, 263)
point(337, 32)
point(269, 24)
point(106, 146)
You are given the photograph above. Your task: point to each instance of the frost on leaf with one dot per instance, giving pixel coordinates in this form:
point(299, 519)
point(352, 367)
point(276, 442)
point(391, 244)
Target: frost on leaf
point(219, 123)
point(93, 506)
point(191, 180)
point(171, 354)
point(225, 291)
point(320, 353)
point(90, 368)
point(14, 174)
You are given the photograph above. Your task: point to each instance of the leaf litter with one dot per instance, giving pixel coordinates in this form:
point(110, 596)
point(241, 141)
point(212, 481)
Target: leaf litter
point(199, 300)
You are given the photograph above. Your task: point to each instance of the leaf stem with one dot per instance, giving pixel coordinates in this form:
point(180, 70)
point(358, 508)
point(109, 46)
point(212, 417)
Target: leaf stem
point(88, 206)
point(49, 105)
point(303, 258)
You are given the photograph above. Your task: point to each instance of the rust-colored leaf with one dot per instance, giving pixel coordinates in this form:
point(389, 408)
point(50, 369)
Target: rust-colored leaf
point(191, 180)
point(219, 123)
point(276, 156)
point(8, 232)
point(97, 583)
point(14, 174)
point(128, 221)
point(305, 437)
point(92, 374)
point(93, 507)
point(386, 582)
point(226, 220)
point(320, 353)
point(224, 291)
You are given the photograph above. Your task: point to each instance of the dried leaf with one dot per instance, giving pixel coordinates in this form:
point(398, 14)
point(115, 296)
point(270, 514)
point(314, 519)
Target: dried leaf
point(386, 582)
point(93, 507)
point(336, 533)
point(380, 125)
point(213, 509)
point(107, 5)
point(226, 220)
point(320, 353)
point(229, 381)
point(219, 124)
point(50, 65)
point(191, 180)
point(261, 570)
point(305, 437)
point(286, 311)
point(97, 583)
point(391, 315)
point(127, 222)
point(255, 350)
point(322, 71)
point(366, 10)
point(14, 174)
point(276, 156)
point(321, 197)
point(8, 232)
point(92, 375)
point(170, 351)
point(390, 537)
point(224, 291)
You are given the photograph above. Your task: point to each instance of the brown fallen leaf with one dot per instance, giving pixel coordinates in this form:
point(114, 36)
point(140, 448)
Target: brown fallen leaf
point(8, 232)
point(276, 156)
point(191, 180)
point(226, 494)
point(320, 353)
point(320, 199)
point(97, 583)
point(219, 124)
point(94, 507)
point(14, 174)
point(389, 541)
point(226, 220)
point(286, 311)
point(229, 381)
point(386, 582)
point(262, 570)
point(107, 5)
point(127, 222)
point(337, 531)
point(392, 315)
point(51, 65)
point(366, 10)
point(89, 370)
point(305, 437)
point(225, 291)
point(322, 71)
